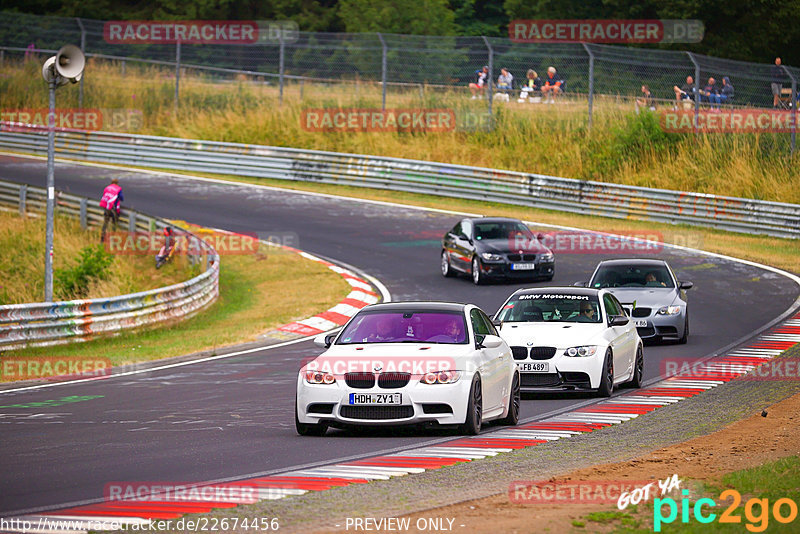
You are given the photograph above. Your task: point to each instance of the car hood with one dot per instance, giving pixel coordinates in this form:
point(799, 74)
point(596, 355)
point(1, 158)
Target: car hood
point(646, 297)
point(416, 358)
point(505, 246)
point(560, 335)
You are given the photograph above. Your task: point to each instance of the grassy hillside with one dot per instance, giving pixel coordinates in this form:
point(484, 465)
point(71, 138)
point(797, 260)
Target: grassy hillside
point(622, 147)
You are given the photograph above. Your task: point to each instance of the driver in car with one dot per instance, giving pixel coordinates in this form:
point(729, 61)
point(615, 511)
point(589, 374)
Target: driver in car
point(586, 314)
point(383, 330)
point(453, 330)
point(651, 280)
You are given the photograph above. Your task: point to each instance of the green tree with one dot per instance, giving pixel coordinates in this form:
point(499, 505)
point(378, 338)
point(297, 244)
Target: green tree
point(418, 17)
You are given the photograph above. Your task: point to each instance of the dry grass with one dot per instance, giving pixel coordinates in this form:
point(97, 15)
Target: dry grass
point(22, 242)
point(547, 139)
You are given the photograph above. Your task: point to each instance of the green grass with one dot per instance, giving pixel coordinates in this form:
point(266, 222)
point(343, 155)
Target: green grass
point(622, 147)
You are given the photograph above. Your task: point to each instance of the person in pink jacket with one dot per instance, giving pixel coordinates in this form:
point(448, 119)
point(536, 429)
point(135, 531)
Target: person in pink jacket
point(110, 202)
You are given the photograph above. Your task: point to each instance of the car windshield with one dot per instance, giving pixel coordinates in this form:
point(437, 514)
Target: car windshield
point(501, 230)
point(656, 276)
point(406, 327)
point(551, 308)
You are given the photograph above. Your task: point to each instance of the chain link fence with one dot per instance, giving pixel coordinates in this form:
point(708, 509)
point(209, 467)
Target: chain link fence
point(422, 63)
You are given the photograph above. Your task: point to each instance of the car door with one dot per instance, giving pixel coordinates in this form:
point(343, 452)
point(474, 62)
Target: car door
point(492, 362)
point(458, 246)
point(630, 338)
point(620, 337)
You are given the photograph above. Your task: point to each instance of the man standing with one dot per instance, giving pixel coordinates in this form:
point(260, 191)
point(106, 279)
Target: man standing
point(112, 196)
point(777, 82)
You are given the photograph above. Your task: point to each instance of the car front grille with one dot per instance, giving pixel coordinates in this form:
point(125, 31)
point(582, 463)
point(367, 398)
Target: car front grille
point(642, 312)
point(542, 353)
point(522, 257)
point(377, 412)
point(393, 380)
point(360, 380)
point(540, 379)
point(519, 353)
point(648, 331)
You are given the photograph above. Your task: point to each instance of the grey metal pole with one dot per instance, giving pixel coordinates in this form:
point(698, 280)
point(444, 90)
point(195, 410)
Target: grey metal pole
point(491, 70)
point(177, 72)
point(591, 81)
point(83, 49)
point(51, 194)
point(383, 72)
point(280, 67)
point(696, 93)
point(793, 103)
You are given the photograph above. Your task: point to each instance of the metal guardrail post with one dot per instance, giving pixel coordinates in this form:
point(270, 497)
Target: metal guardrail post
point(591, 81)
point(491, 71)
point(177, 72)
point(83, 49)
point(23, 197)
point(696, 93)
point(51, 194)
point(280, 67)
point(383, 72)
point(84, 222)
point(792, 103)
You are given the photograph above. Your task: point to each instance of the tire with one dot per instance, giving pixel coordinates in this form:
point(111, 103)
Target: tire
point(474, 419)
point(685, 337)
point(514, 401)
point(447, 271)
point(638, 370)
point(477, 277)
point(308, 429)
point(607, 377)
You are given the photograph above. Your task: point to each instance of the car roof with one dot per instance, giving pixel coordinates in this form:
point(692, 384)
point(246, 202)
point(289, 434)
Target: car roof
point(417, 306)
point(633, 261)
point(491, 219)
point(568, 290)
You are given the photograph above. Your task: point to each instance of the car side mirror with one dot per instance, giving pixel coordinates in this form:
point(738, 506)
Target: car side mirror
point(324, 340)
point(617, 320)
point(490, 342)
point(497, 322)
point(685, 285)
point(580, 284)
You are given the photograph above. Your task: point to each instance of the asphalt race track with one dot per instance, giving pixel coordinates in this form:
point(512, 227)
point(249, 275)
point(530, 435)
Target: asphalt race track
point(233, 417)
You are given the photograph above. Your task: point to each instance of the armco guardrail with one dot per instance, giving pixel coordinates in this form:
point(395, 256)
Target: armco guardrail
point(535, 190)
point(48, 323)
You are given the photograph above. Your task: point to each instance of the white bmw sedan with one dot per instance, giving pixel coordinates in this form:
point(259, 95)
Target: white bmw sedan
point(408, 363)
point(570, 338)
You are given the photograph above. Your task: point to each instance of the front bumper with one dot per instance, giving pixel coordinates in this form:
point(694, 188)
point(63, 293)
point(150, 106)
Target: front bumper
point(444, 404)
point(564, 373)
point(659, 326)
point(503, 269)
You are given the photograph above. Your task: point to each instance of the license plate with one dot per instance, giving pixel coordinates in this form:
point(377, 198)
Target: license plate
point(534, 367)
point(641, 323)
point(375, 398)
point(523, 266)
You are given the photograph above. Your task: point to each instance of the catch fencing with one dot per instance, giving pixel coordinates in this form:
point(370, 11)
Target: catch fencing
point(50, 323)
point(458, 181)
point(414, 62)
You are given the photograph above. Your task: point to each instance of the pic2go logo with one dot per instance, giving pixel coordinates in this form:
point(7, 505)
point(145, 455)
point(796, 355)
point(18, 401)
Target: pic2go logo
point(756, 511)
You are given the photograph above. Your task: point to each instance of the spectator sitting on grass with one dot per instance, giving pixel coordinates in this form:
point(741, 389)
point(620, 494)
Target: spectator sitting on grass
point(724, 95)
point(709, 91)
point(646, 100)
point(481, 76)
point(552, 84)
point(532, 87)
point(505, 81)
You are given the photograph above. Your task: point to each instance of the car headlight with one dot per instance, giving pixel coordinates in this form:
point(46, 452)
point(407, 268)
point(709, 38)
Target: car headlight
point(669, 310)
point(547, 257)
point(442, 377)
point(488, 256)
point(581, 352)
point(319, 377)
